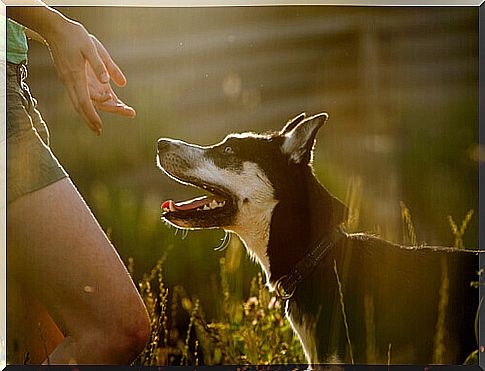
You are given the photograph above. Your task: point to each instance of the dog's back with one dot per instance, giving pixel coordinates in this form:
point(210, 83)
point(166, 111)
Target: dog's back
point(412, 304)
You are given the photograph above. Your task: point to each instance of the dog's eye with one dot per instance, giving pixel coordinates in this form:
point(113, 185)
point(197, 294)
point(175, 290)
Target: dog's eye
point(228, 150)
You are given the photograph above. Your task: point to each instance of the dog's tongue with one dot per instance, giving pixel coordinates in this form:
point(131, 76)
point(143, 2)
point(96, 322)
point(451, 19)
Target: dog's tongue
point(190, 204)
point(187, 205)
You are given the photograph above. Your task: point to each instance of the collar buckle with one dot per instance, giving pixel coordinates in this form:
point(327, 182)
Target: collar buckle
point(282, 293)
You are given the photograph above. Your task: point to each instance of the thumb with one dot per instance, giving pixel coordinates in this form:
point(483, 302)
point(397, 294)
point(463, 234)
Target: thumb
point(93, 58)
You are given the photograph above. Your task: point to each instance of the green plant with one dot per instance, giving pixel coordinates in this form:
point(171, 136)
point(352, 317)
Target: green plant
point(408, 231)
point(251, 331)
point(459, 232)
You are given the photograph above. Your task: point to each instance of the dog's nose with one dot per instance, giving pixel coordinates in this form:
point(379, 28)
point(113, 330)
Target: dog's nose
point(163, 144)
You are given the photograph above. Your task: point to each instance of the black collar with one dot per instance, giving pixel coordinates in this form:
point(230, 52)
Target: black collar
point(286, 285)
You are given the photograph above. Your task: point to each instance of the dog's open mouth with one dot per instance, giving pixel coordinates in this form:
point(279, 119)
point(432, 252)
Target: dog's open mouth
point(204, 203)
point(208, 211)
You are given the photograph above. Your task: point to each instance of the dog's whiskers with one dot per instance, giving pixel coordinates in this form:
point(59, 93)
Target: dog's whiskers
point(225, 242)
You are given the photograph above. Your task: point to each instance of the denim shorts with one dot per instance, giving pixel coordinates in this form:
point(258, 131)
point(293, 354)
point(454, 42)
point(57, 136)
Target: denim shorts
point(31, 165)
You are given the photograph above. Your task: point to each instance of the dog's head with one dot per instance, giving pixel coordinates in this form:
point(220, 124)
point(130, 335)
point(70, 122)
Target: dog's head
point(246, 174)
point(258, 184)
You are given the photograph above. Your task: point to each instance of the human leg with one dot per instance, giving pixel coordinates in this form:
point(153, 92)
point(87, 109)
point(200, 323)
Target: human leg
point(57, 251)
point(64, 259)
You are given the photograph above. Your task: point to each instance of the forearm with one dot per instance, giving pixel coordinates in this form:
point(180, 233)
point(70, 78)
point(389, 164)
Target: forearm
point(42, 19)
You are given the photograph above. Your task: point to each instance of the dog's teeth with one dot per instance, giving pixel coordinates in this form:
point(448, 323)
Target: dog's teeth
point(199, 209)
point(213, 204)
point(172, 207)
point(206, 207)
point(222, 203)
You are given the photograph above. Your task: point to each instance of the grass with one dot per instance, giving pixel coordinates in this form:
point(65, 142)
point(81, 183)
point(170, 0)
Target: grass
point(408, 231)
point(251, 331)
point(439, 347)
point(459, 232)
point(342, 307)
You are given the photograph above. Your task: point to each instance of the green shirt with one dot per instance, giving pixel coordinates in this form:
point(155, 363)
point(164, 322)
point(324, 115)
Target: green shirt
point(16, 42)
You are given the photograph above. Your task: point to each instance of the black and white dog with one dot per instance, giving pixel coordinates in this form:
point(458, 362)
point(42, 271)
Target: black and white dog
point(416, 301)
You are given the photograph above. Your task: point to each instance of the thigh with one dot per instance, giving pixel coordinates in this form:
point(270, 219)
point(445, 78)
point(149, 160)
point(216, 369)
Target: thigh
point(58, 252)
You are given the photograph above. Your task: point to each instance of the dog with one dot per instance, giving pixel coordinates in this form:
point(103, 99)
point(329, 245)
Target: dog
point(350, 298)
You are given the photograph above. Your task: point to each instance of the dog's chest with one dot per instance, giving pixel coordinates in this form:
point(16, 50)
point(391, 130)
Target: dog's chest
point(304, 326)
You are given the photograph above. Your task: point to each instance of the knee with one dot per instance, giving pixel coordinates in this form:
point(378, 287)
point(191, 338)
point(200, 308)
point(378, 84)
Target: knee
point(126, 337)
point(132, 336)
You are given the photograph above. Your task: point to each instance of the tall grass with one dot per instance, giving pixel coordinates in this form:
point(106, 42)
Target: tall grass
point(250, 331)
point(459, 232)
point(342, 307)
point(439, 344)
point(408, 231)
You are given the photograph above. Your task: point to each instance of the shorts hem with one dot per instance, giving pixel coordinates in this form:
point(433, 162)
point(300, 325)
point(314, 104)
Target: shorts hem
point(13, 195)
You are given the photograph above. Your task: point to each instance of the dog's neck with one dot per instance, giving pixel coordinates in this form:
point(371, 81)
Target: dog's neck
point(255, 232)
point(298, 223)
point(278, 234)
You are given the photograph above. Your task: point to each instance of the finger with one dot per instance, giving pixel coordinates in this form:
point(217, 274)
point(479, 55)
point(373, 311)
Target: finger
point(84, 104)
point(68, 80)
point(97, 91)
point(118, 108)
point(114, 71)
point(97, 64)
point(99, 96)
point(72, 95)
point(117, 103)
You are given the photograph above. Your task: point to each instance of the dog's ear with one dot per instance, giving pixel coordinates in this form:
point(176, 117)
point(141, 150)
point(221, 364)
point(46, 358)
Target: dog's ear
point(292, 123)
point(298, 142)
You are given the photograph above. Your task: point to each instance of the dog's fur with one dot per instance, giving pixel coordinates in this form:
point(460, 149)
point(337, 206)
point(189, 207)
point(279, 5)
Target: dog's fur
point(416, 301)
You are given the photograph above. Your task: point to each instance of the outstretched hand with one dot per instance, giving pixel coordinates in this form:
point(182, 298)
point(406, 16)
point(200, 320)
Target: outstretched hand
point(86, 68)
point(82, 62)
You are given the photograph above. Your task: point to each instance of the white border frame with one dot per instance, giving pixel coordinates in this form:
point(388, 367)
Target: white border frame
point(143, 3)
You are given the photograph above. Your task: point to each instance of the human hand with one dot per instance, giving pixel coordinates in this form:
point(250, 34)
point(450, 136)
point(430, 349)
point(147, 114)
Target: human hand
point(104, 98)
point(85, 68)
point(74, 53)
point(102, 95)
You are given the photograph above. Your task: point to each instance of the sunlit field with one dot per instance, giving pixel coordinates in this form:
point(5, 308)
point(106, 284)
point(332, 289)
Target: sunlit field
point(400, 149)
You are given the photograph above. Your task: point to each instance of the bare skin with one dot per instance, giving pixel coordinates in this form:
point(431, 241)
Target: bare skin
point(57, 252)
point(69, 265)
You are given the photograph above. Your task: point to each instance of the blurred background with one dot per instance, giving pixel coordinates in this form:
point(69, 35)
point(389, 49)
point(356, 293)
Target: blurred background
point(399, 84)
